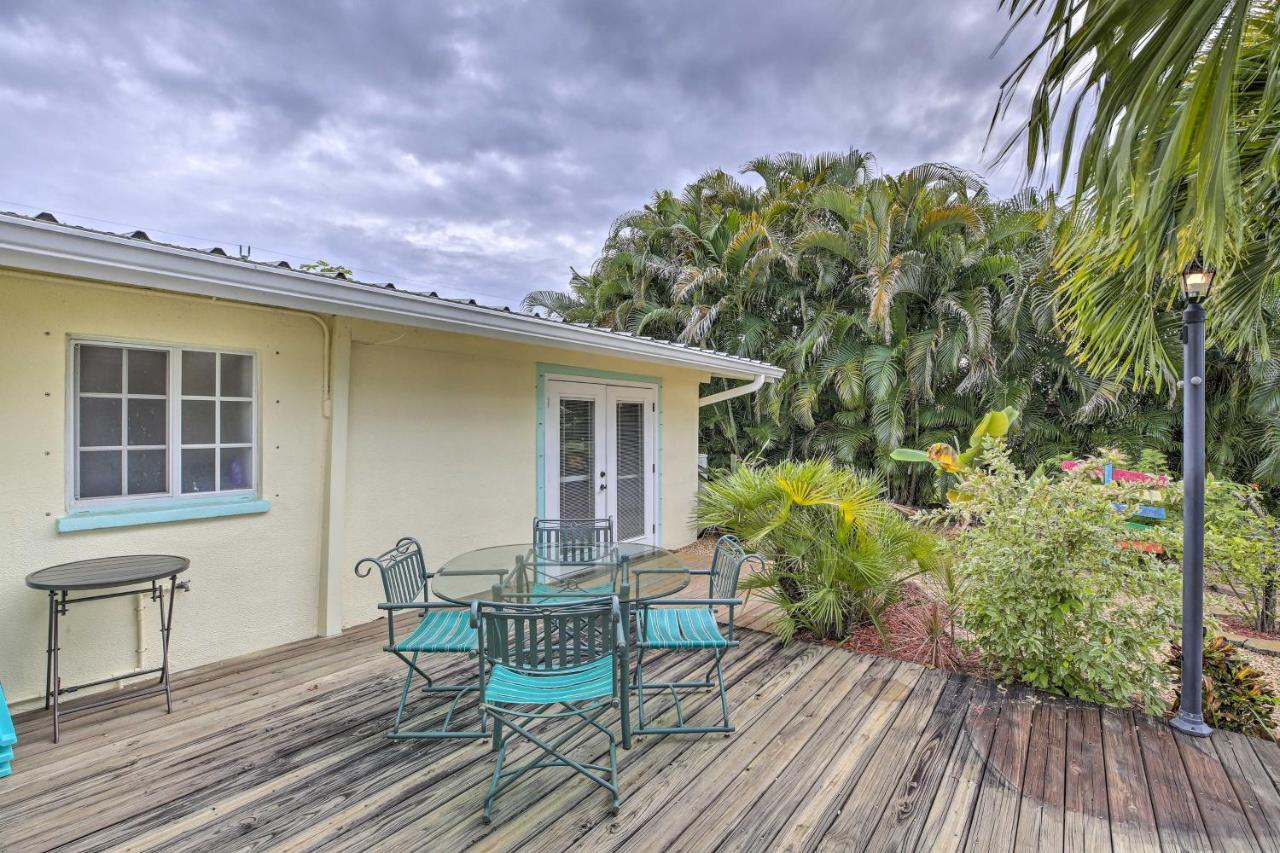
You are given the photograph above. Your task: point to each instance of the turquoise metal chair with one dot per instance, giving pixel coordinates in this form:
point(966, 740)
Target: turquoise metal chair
point(690, 624)
point(8, 737)
point(443, 629)
point(567, 544)
point(548, 662)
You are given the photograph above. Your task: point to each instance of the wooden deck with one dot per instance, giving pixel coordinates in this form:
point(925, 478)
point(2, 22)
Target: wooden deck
point(834, 751)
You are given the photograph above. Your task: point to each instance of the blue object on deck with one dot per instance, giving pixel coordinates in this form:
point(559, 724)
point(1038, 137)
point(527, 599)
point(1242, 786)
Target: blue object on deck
point(8, 737)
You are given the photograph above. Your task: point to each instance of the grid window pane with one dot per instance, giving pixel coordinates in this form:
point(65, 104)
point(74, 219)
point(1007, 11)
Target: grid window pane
point(124, 401)
point(198, 374)
point(101, 369)
point(147, 472)
point(235, 464)
point(198, 468)
point(237, 375)
point(100, 472)
point(198, 425)
point(237, 423)
point(148, 371)
point(147, 421)
point(100, 421)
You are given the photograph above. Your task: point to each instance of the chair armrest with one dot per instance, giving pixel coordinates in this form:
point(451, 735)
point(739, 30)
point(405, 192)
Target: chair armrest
point(663, 570)
point(700, 572)
point(701, 602)
point(421, 605)
point(465, 572)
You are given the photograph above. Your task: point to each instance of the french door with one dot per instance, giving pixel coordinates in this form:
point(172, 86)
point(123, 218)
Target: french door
point(600, 455)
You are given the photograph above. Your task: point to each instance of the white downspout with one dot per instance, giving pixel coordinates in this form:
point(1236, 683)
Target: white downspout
point(749, 388)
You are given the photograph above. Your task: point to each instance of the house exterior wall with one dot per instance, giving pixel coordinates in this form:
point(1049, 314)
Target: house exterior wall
point(253, 577)
point(440, 445)
point(443, 445)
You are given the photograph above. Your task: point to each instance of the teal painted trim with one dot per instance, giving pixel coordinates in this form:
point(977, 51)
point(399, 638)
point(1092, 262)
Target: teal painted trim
point(174, 509)
point(540, 432)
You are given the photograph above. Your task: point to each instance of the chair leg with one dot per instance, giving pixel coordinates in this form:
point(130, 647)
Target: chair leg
point(501, 746)
point(404, 694)
point(458, 691)
point(552, 756)
point(716, 668)
point(724, 699)
point(640, 687)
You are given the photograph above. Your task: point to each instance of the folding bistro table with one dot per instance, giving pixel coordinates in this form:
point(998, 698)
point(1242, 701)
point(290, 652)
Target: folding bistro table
point(146, 575)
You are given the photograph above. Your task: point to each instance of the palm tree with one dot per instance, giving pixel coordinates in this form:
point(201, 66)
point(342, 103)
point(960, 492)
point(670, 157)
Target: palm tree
point(1179, 158)
point(904, 307)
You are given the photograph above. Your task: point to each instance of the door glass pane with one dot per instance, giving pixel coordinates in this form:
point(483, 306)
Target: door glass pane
point(147, 421)
point(631, 480)
point(198, 469)
point(148, 371)
point(100, 422)
point(101, 369)
point(197, 422)
point(577, 459)
point(237, 375)
point(100, 473)
point(198, 374)
point(234, 466)
point(147, 475)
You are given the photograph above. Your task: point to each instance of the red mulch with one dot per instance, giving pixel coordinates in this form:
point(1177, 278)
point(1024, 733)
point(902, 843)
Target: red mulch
point(1239, 626)
point(904, 637)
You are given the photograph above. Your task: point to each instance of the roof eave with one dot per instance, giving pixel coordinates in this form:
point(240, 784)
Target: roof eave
point(61, 250)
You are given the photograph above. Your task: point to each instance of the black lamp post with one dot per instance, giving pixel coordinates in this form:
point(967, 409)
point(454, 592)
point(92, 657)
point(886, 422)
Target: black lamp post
point(1197, 280)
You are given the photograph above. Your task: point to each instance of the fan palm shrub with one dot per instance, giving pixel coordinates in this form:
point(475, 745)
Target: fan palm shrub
point(838, 553)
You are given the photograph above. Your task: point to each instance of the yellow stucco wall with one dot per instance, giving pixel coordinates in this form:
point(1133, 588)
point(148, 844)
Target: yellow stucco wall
point(441, 446)
point(254, 578)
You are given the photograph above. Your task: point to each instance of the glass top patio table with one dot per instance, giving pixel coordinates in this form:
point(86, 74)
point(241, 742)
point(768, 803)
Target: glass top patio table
point(543, 574)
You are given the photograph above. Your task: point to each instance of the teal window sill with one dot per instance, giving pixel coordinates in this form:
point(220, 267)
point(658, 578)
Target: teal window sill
point(159, 513)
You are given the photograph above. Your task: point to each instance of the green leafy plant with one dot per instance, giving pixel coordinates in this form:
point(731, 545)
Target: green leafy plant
point(837, 553)
point(1242, 550)
point(950, 460)
point(1237, 697)
point(1047, 597)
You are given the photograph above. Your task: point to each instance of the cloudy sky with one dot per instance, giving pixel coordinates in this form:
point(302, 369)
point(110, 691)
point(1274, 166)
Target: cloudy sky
point(477, 149)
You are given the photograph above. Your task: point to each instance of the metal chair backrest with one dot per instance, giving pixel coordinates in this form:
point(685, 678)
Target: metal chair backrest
point(547, 637)
point(726, 566)
point(572, 540)
point(403, 571)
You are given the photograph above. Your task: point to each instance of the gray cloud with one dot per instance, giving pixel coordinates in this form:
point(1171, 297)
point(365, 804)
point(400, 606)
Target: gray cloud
point(477, 149)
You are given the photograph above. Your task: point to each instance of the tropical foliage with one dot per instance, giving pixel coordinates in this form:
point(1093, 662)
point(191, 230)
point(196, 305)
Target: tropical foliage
point(837, 554)
point(1242, 551)
point(1237, 697)
point(1178, 157)
point(1046, 594)
point(903, 306)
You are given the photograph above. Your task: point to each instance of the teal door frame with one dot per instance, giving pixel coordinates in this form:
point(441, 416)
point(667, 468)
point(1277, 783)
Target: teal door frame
point(558, 370)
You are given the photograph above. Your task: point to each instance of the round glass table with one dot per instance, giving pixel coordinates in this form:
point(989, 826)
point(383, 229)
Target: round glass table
point(544, 574)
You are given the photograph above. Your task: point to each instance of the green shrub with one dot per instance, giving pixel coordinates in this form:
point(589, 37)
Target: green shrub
point(1237, 697)
point(1242, 550)
point(837, 552)
point(1047, 595)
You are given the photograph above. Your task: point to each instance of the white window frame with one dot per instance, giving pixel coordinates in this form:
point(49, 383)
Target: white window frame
point(174, 447)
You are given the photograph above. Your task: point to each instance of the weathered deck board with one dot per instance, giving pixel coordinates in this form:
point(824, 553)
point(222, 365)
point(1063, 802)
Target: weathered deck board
point(1044, 782)
point(284, 750)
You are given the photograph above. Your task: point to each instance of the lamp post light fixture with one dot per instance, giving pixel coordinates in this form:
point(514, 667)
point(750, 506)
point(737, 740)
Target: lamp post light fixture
point(1197, 281)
